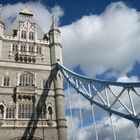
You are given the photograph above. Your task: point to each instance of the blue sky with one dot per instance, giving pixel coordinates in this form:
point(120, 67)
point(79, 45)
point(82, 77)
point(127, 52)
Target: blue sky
point(75, 9)
point(100, 38)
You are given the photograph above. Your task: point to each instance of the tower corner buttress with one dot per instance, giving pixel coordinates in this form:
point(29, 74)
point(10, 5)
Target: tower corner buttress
point(56, 55)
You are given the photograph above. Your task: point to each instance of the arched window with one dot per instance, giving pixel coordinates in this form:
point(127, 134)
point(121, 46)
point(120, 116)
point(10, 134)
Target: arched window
point(23, 34)
point(50, 112)
point(10, 112)
point(31, 35)
point(27, 79)
point(1, 111)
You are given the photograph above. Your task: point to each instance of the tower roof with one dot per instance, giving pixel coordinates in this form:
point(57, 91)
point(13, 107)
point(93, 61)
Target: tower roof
point(54, 22)
point(15, 24)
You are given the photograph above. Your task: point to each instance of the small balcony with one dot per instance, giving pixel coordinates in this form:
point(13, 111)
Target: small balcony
point(25, 89)
point(25, 57)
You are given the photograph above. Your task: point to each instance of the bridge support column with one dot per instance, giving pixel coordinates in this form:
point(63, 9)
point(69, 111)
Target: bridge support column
point(60, 109)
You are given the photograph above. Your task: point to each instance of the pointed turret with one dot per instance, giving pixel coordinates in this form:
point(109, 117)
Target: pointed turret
point(1, 14)
point(56, 55)
point(54, 23)
point(55, 42)
point(1, 22)
point(1, 29)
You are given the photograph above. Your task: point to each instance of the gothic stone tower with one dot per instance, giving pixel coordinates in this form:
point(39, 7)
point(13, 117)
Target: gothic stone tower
point(31, 92)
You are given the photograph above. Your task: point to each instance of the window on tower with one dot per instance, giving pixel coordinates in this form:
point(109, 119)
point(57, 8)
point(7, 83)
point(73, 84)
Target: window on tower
point(10, 112)
point(50, 113)
point(23, 34)
point(27, 80)
point(23, 48)
point(14, 48)
point(31, 35)
point(25, 110)
point(26, 106)
point(6, 81)
point(38, 50)
point(1, 111)
point(31, 49)
point(15, 33)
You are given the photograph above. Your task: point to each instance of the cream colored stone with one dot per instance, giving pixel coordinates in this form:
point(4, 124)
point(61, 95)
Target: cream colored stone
point(53, 127)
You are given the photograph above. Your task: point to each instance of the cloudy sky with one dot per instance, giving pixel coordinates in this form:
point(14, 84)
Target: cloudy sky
point(100, 38)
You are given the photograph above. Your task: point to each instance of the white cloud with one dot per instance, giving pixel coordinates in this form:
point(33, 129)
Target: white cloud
point(125, 78)
point(42, 14)
point(102, 42)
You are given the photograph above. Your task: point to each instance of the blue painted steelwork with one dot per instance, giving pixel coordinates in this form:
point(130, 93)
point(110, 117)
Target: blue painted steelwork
point(122, 84)
point(66, 72)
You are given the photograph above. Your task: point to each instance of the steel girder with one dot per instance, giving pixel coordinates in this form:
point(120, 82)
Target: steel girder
point(119, 98)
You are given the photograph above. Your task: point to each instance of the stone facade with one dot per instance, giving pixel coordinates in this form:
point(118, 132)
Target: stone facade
point(31, 92)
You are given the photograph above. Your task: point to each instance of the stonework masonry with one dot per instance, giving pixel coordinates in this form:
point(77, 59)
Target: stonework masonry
point(31, 90)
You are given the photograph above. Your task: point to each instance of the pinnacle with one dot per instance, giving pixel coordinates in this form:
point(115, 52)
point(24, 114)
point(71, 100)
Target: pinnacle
point(1, 21)
point(54, 22)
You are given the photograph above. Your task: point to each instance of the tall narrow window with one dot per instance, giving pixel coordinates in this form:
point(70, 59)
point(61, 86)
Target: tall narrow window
point(31, 49)
point(50, 112)
point(31, 35)
point(38, 50)
point(1, 111)
point(6, 81)
point(23, 48)
point(15, 33)
point(10, 112)
point(14, 48)
point(23, 34)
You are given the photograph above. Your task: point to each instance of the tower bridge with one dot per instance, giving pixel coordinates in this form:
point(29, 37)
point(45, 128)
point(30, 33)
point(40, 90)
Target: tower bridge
point(31, 89)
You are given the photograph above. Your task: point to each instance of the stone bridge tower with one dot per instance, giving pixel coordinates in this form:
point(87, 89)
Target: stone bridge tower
point(31, 92)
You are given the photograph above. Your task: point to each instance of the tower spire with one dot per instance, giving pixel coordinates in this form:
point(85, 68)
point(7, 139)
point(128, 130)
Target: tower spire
point(54, 22)
point(1, 21)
